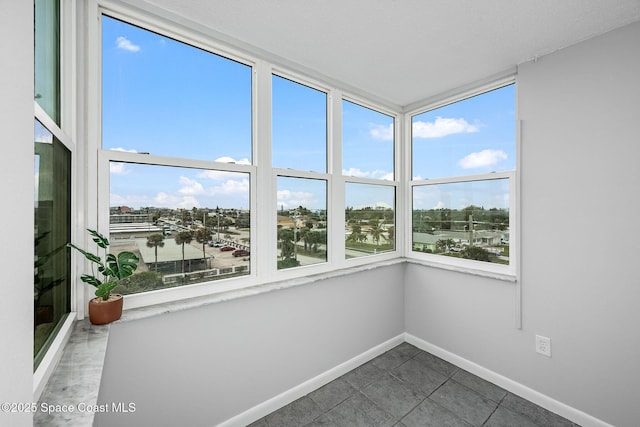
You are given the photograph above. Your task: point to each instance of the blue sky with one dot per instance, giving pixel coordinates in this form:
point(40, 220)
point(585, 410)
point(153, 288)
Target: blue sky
point(167, 98)
point(476, 135)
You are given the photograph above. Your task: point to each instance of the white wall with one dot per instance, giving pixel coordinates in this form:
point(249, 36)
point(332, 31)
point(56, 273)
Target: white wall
point(204, 366)
point(580, 111)
point(16, 214)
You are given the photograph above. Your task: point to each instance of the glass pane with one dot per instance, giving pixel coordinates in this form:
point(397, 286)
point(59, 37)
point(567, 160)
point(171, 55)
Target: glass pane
point(299, 126)
point(168, 98)
point(369, 219)
point(185, 225)
point(52, 232)
point(473, 136)
point(302, 221)
point(463, 219)
point(47, 57)
point(367, 142)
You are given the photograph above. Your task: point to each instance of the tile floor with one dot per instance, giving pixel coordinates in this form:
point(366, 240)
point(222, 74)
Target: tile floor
point(407, 387)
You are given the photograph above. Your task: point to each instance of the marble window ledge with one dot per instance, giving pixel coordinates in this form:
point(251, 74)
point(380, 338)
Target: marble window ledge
point(75, 382)
point(76, 379)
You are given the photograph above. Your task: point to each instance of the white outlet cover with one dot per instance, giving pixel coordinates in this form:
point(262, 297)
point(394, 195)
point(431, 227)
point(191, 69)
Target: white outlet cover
point(543, 345)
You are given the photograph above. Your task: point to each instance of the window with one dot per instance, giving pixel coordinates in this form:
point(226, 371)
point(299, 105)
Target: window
point(368, 157)
point(463, 168)
point(168, 98)
point(52, 232)
point(52, 192)
point(472, 136)
point(299, 158)
point(369, 219)
point(176, 145)
point(299, 126)
point(479, 230)
point(47, 57)
point(302, 221)
point(367, 142)
point(185, 225)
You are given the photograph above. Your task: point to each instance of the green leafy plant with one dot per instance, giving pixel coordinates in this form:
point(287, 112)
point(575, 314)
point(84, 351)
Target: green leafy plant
point(111, 271)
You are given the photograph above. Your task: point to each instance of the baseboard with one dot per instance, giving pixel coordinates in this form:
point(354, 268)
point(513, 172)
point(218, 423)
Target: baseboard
point(566, 411)
point(253, 414)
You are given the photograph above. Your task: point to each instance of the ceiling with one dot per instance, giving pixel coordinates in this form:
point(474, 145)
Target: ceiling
point(400, 52)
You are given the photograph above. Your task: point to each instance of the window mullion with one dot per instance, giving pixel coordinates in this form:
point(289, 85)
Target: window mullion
point(265, 216)
point(335, 209)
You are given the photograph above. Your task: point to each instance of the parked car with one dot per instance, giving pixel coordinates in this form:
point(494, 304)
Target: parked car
point(240, 252)
point(215, 244)
point(227, 248)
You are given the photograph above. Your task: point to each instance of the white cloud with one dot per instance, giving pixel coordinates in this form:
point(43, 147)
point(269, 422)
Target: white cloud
point(439, 205)
point(228, 159)
point(482, 158)
point(165, 200)
point(125, 44)
point(116, 168)
point(129, 200)
point(190, 186)
point(221, 175)
point(292, 199)
point(377, 174)
point(188, 202)
point(193, 194)
point(216, 175)
point(126, 150)
point(442, 127)
point(230, 187)
point(381, 132)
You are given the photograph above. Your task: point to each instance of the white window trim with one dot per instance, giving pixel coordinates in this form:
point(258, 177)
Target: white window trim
point(397, 181)
point(263, 176)
point(509, 272)
point(466, 265)
point(69, 13)
point(186, 291)
point(272, 272)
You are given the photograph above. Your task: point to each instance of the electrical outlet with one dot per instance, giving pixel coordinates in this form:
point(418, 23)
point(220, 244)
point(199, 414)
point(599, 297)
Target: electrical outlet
point(543, 345)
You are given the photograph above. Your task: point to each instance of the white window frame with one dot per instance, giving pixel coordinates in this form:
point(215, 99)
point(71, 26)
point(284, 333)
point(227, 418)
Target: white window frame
point(500, 271)
point(100, 177)
point(66, 133)
point(185, 291)
point(395, 183)
point(263, 267)
point(272, 271)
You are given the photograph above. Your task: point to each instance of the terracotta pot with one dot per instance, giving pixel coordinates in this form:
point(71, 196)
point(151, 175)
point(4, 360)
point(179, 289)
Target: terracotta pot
point(102, 312)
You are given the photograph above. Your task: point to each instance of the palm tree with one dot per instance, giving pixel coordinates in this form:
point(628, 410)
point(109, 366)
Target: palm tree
point(356, 233)
point(182, 238)
point(285, 235)
point(154, 241)
point(391, 233)
point(203, 235)
point(375, 230)
point(443, 245)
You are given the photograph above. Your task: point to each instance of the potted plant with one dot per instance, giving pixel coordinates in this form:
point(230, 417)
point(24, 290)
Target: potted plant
point(106, 307)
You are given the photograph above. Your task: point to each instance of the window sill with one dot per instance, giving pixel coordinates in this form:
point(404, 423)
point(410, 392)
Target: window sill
point(465, 270)
point(75, 382)
point(195, 302)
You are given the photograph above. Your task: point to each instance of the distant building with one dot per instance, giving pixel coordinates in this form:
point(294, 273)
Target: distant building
point(119, 231)
point(129, 218)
